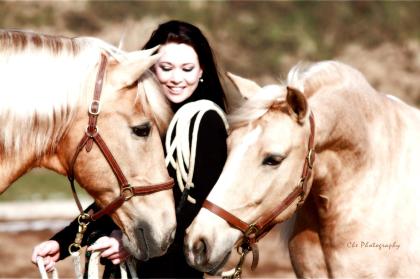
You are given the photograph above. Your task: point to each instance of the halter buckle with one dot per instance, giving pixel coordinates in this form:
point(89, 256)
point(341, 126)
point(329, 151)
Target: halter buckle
point(94, 107)
point(310, 158)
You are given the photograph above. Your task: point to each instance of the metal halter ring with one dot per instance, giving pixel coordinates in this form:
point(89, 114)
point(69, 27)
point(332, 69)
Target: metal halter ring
point(83, 219)
point(243, 248)
point(127, 192)
point(74, 248)
point(92, 135)
point(251, 231)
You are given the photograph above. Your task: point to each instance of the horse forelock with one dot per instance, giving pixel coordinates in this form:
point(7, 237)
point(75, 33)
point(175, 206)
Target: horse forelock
point(154, 102)
point(43, 79)
point(257, 105)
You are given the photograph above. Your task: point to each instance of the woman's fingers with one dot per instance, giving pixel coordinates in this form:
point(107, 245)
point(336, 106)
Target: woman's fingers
point(50, 266)
point(118, 257)
point(116, 261)
point(44, 249)
point(101, 244)
point(110, 247)
point(113, 251)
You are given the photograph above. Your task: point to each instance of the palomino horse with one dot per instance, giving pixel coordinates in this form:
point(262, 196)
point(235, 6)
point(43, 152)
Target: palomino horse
point(55, 91)
point(359, 212)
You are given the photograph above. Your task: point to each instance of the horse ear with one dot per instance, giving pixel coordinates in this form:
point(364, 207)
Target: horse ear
point(246, 87)
point(297, 103)
point(131, 69)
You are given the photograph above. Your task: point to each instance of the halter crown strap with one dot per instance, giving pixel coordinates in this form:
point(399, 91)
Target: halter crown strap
point(94, 108)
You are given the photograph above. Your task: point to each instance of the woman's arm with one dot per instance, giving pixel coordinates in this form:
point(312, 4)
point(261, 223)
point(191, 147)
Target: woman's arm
point(211, 153)
point(66, 236)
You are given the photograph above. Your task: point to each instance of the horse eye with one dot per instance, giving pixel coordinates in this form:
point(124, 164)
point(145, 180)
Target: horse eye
point(141, 130)
point(272, 160)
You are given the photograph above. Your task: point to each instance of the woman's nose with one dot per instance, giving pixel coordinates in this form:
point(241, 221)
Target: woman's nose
point(176, 76)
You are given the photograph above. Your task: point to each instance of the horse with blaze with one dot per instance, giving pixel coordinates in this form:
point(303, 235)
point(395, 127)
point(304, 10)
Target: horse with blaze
point(357, 210)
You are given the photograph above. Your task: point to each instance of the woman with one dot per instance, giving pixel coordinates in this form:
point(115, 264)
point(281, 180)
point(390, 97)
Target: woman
point(188, 73)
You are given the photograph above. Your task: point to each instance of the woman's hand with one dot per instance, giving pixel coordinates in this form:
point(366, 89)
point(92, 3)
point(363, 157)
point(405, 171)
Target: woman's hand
point(111, 247)
point(49, 251)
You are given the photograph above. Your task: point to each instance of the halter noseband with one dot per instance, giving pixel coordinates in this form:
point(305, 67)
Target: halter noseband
point(91, 136)
point(255, 231)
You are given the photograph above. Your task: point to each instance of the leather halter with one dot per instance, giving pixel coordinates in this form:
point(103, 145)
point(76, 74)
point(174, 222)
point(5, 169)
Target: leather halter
point(92, 136)
point(255, 231)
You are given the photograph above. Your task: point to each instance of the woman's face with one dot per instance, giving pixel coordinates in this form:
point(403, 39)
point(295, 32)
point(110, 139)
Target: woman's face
point(178, 70)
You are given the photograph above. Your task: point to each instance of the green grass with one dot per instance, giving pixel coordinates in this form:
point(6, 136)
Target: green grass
point(40, 185)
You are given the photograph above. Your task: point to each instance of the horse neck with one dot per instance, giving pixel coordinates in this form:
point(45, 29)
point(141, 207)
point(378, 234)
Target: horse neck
point(42, 95)
point(344, 122)
point(362, 137)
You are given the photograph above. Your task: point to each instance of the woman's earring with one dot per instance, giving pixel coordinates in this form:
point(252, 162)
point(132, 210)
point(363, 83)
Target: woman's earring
point(201, 79)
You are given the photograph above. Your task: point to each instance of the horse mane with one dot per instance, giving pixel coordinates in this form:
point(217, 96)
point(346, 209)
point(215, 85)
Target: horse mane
point(308, 78)
point(43, 79)
point(155, 105)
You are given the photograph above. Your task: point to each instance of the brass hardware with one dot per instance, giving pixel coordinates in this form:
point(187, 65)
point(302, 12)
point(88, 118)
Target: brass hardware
point(127, 192)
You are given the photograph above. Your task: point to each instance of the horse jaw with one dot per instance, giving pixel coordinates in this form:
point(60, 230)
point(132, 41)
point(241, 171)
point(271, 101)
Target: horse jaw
point(150, 232)
point(208, 249)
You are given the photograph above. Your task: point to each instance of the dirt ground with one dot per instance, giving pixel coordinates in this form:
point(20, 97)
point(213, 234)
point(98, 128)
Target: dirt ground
point(16, 249)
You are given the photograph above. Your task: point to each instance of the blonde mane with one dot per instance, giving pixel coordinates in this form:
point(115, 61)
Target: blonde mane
point(155, 105)
point(308, 78)
point(43, 79)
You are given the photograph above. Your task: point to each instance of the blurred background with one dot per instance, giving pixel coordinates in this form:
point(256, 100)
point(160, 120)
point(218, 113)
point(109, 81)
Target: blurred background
point(260, 40)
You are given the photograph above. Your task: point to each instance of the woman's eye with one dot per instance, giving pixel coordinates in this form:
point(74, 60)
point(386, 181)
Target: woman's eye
point(188, 69)
point(272, 160)
point(141, 130)
point(165, 68)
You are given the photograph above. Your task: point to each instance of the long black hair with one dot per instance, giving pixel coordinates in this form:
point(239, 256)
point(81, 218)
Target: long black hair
point(179, 32)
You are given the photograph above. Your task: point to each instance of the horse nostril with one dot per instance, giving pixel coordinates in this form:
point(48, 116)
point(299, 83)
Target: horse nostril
point(199, 247)
point(200, 250)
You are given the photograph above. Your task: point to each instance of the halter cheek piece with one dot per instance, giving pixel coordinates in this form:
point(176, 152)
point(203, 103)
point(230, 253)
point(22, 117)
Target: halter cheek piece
point(255, 231)
point(91, 136)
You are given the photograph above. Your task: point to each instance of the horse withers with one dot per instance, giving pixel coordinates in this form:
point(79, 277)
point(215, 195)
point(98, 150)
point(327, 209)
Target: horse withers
point(356, 204)
point(56, 91)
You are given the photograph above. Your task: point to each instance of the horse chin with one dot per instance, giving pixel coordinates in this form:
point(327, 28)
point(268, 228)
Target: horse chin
point(216, 270)
point(143, 246)
point(136, 246)
point(204, 263)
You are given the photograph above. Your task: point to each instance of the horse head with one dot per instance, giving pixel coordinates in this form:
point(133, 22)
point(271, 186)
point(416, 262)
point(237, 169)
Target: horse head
point(132, 114)
point(267, 155)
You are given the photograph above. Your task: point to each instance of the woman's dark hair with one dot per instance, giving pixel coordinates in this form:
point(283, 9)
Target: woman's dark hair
point(179, 32)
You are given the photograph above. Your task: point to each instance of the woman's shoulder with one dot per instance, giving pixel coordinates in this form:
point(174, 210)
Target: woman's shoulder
point(211, 115)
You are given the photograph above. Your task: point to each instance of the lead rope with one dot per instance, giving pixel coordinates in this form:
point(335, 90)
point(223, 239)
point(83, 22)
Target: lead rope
point(180, 142)
point(93, 272)
point(43, 272)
